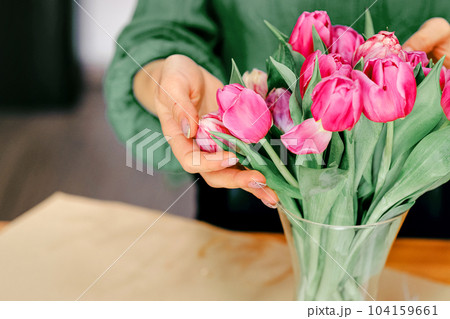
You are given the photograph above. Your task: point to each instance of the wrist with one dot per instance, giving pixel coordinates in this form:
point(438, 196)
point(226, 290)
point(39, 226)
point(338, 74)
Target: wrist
point(145, 84)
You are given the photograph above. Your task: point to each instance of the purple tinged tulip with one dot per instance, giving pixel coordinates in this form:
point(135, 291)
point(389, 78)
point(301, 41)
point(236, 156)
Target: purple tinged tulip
point(278, 103)
point(328, 64)
point(337, 103)
point(415, 57)
point(244, 113)
point(309, 137)
point(210, 123)
point(389, 88)
point(301, 37)
point(256, 81)
point(344, 41)
point(379, 46)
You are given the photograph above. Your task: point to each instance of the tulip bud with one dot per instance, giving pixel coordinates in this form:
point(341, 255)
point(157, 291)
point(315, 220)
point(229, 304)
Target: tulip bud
point(308, 137)
point(278, 103)
point(445, 101)
point(301, 38)
point(328, 64)
point(388, 87)
point(210, 123)
point(244, 113)
point(337, 103)
point(379, 46)
point(256, 81)
point(344, 41)
point(415, 57)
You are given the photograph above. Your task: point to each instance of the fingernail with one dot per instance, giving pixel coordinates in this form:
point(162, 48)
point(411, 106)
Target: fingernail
point(268, 204)
point(255, 184)
point(407, 48)
point(230, 162)
point(185, 127)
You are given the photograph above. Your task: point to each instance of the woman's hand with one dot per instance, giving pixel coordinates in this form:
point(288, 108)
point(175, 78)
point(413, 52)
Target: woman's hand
point(179, 91)
point(433, 37)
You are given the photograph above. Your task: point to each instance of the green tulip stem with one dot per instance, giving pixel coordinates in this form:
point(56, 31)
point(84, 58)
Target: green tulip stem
point(278, 163)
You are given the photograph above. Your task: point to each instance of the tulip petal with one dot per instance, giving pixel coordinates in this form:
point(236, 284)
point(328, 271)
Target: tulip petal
point(227, 95)
point(308, 137)
point(249, 118)
point(445, 101)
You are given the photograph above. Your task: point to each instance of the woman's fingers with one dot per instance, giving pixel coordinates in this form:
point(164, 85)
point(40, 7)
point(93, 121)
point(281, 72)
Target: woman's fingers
point(433, 37)
point(195, 161)
point(249, 180)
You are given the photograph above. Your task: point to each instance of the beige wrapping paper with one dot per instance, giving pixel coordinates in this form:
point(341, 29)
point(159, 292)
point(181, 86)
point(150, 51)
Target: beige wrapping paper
point(60, 250)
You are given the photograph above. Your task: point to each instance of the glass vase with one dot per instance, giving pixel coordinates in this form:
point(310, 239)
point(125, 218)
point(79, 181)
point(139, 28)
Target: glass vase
point(338, 263)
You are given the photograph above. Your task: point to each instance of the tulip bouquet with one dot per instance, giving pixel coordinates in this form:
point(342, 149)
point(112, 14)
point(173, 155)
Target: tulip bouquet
point(346, 131)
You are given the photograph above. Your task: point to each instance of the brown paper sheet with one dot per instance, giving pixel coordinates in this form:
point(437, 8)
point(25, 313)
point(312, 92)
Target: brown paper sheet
point(62, 246)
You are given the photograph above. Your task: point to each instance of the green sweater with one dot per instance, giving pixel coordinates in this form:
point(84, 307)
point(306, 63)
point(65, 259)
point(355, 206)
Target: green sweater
point(212, 32)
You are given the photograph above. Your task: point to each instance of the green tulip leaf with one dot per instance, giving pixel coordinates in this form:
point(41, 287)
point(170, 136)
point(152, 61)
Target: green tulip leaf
point(427, 167)
point(280, 35)
point(286, 73)
point(395, 211)
point(369, 30)
point(317, 41)
point(298, 59)
point(284, 56)
point(336, 150)
point(235, 74)
point(366, 135)
point(359, 65)
point(226, 148)
point(418, 73)
point(424, 117)
point(319, 189)
point(295, 108)
point(261, 164)
point(307, 101)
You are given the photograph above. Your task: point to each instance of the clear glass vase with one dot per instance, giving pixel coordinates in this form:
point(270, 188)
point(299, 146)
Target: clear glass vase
point(338, 263)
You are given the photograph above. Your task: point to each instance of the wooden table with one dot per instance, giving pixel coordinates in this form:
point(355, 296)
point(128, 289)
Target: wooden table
point(427, 258)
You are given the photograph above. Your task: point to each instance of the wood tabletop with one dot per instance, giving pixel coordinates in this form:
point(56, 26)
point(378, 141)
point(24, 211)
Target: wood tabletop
point(428, 258)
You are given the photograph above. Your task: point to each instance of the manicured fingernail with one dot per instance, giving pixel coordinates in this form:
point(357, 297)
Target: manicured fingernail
point(269, 204)
point(255, 184)
point(230, 162)
point(185, 127)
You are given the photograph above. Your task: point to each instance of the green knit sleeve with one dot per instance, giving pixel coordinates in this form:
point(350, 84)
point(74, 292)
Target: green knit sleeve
point(157, 30)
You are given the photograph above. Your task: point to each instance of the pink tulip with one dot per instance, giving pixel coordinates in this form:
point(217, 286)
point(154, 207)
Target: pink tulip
point(308, 137)
point(389, 88)
point(244, 113)
point(256, 81)
point(415, 57)
point(210, 123)
point(278, 103)
point(445, 101)
point(337, 103)
point(328, 64)
point(301, 38)
point(228, 95)
point(345, 40)
point(379, 46)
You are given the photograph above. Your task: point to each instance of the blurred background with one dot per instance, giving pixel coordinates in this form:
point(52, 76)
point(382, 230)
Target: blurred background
point(53, 132)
